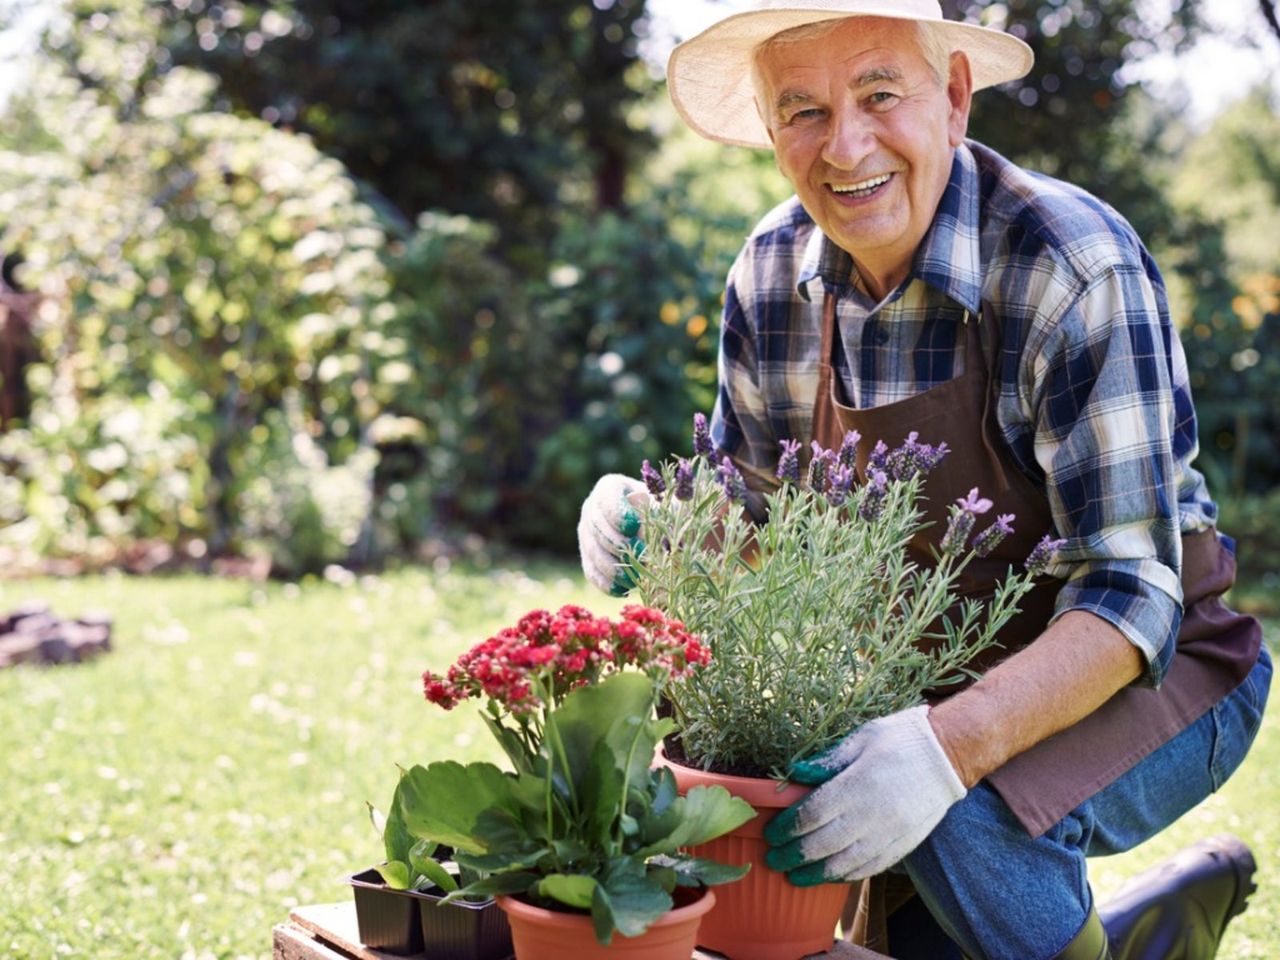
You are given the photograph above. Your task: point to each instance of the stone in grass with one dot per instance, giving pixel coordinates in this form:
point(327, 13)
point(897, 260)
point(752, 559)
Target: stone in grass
point(32, 634)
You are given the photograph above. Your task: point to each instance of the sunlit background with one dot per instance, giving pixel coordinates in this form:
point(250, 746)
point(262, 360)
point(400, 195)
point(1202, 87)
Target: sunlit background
point(319, 319)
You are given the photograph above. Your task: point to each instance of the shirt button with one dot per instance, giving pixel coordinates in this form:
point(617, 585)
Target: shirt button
point(882, 337)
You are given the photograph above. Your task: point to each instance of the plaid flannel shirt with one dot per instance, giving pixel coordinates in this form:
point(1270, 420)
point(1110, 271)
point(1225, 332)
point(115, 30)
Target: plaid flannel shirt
point(1094, 401)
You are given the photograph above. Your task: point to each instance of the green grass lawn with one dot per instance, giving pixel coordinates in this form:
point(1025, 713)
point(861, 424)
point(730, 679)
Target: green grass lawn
point(178, 796)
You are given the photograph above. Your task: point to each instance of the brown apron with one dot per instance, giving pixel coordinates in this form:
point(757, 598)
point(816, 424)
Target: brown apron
point(1216, 647)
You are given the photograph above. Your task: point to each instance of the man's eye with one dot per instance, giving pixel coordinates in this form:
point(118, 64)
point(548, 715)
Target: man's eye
point(882, 98)
point(809, 113)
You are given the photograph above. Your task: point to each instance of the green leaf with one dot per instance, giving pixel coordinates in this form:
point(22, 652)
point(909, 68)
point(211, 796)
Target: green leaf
point(502, 862)
point(395, 836)
point(588, 716)
point(395, 874)
point(705, 813)
point(422, 863)
point(571, 889)
point(446, 802)
point(497, 885)
point(511, 744)
point(698, 871)
point(627, 900)
point(602, 793)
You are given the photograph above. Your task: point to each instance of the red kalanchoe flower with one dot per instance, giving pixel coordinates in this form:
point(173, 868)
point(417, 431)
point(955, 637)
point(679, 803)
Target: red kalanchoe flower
point(547, 655)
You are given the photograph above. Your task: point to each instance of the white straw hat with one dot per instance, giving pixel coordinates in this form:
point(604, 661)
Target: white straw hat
point(709, 76)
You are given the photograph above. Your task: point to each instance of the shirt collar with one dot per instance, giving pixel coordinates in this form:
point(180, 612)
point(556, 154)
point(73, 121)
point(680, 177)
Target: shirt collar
point(948, 258)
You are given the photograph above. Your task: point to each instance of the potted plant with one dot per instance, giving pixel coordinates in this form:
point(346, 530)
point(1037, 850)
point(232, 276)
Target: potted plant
point(582, 840)
point(403, 905)
point(814, 620)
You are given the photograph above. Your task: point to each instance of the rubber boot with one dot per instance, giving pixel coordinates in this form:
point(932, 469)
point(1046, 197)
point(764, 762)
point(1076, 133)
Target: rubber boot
point(1178, 909)
point(1089, 944)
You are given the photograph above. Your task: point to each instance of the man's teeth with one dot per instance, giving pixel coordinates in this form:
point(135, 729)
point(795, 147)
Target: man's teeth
point(862, 188)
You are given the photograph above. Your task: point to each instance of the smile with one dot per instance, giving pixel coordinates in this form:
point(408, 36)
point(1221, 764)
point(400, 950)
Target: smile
point(863, 188)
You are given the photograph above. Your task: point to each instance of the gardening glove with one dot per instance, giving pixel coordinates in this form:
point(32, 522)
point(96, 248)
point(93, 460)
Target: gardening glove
point(884, 788)
point(610, 522)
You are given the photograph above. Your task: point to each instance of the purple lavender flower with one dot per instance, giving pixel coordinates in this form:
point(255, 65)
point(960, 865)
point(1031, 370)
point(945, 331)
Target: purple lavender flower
point(991, 537)
point(840, 483)
point(963, 515)
point(914, 458)
point(684, 479)
point(1040, 557)
point(789, 463)
point(820, 467)
point(973, 503)
point(702, 446)
point(653, 480)
point(873, 495)
point(932, 456)
point(958, 529)
point(735, 488)
point(848, 454)
point(879, 458)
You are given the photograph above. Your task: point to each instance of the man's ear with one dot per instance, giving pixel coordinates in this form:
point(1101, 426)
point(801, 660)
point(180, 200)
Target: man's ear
point(960, 95)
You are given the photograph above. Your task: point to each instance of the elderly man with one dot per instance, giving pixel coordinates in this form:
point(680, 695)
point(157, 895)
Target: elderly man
point(920, 281)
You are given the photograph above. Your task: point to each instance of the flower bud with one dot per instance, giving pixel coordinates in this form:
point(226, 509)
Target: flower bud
point(702, 446)
point(653, 480)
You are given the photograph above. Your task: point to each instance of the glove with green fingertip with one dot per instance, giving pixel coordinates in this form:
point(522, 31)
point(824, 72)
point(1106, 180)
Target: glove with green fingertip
point(608, 526)
point(882, 791)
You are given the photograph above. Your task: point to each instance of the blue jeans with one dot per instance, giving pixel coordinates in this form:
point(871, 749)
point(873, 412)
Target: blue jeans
point(989, 890)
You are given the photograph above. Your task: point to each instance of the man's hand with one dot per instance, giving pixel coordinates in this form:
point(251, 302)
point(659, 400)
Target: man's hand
point(610, 523)
point(884, 788)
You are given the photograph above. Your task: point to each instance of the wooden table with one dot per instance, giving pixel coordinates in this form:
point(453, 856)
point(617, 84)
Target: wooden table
point(327, 931)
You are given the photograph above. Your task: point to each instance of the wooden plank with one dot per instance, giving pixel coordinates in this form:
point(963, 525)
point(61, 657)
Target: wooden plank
point(335, 923)
point(290, 942)
point(328, 931)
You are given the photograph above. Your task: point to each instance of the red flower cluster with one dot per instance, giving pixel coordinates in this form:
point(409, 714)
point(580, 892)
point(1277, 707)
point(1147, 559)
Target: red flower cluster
point(553, 653)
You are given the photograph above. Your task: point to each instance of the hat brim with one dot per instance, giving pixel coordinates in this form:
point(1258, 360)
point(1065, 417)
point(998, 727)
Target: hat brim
point(709, 76)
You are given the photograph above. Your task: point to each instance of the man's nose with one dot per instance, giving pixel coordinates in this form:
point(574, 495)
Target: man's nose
point(850, 139)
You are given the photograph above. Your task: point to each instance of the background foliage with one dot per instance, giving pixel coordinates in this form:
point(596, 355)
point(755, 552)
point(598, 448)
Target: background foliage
point(326, 281)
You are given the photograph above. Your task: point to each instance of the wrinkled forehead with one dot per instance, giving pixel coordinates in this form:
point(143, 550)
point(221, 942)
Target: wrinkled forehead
point(841, 41)
point(864, 47)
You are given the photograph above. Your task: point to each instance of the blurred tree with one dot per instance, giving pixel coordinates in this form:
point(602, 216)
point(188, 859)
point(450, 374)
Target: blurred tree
point(1227, 193)
point(504, 110)
point(211, 290)
point(1066, 117)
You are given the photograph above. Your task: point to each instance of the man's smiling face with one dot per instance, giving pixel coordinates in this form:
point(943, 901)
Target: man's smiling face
point(865, 132)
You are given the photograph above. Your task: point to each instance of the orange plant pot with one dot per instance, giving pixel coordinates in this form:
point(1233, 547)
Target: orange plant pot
point(540, 934)
point(763, 916)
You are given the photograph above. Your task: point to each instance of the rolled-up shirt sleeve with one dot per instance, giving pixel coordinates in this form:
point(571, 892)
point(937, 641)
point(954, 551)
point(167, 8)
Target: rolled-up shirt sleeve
point(1100, 395)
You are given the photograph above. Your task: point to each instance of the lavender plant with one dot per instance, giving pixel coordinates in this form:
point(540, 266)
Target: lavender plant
point(813, 617)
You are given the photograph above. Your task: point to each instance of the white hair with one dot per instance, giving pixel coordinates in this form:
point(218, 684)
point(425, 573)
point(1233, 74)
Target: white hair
point(934, 46)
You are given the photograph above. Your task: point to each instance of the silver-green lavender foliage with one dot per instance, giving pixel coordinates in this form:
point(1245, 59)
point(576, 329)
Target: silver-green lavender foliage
point(816, 634)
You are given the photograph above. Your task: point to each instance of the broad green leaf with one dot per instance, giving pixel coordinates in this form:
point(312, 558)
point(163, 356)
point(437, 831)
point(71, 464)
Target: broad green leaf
point(395, 837)
point(706, 813)
point(628, 900)
point(588, 716)
point(666, 790)
point(445, 802)
point(503, 862)
point(497, 885)
point(602, 793)
point(395, 874)
point(698, 871)
point(424, 865)
point(571, 889)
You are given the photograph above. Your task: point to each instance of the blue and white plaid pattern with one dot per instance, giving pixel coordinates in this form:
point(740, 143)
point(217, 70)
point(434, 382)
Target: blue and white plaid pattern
point(1094, 399)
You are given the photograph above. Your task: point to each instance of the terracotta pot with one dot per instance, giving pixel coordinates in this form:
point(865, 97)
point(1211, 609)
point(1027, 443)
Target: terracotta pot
point(540, 934)
point(763, 916)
